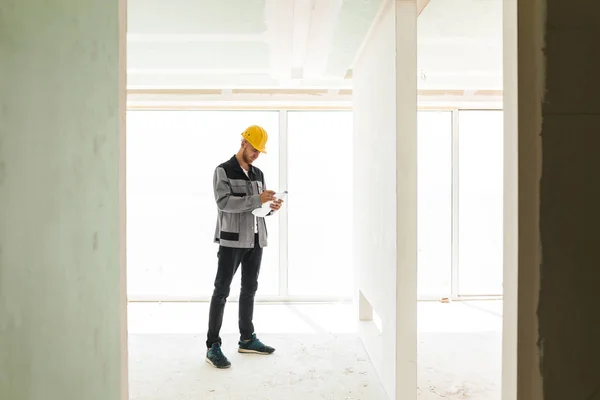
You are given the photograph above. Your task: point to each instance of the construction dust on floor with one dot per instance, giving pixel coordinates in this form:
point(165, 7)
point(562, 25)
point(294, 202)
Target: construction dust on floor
point(303, 367)
point(321, 362)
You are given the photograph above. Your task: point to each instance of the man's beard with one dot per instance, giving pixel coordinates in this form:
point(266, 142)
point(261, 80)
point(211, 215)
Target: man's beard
point(247, 159)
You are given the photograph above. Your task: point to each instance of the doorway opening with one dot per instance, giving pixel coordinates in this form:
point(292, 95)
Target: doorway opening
point(184, 118)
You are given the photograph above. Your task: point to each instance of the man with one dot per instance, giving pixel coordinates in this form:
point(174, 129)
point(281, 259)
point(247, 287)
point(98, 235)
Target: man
point(239, 189)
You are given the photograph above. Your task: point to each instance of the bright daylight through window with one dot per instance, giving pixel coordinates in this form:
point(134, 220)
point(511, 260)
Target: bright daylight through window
point(320, 203)
point(171, 211)
point(171, 157)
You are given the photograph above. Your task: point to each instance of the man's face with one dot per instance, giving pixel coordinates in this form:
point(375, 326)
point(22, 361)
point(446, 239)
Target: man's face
point(250, 154)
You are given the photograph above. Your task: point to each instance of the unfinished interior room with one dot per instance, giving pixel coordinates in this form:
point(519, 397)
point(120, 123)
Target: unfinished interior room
point(439, 225)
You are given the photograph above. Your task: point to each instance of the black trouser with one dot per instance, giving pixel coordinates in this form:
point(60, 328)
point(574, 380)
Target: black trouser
point(229, 261)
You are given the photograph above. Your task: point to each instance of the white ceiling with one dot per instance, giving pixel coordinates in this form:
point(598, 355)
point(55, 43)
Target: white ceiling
point(227, 44)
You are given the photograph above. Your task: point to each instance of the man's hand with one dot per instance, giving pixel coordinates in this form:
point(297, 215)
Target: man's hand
point(266, 196)
point(276, 205)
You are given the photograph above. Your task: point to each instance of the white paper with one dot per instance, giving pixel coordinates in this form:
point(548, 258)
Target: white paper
point(266, 207)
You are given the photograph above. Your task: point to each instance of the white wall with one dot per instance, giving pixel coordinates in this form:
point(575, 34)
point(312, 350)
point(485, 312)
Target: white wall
point(62, 305)
point(510, 320)
point(385, 196)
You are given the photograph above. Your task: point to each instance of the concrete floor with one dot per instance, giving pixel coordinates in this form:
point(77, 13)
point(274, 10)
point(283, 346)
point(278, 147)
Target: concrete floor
point(318, 354)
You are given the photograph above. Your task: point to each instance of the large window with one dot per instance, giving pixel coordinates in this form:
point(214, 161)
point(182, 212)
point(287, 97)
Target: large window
point(480, 165)
point(460, 203)
point(434, 200)
point(171, 215)
point(320, 203)
point(171, 212)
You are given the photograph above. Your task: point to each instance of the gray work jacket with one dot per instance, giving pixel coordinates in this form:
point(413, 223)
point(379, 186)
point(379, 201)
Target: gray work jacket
point(237, 195)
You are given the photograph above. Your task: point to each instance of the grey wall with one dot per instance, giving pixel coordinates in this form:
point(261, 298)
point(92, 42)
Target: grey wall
point(569, 317)
point(60, 281)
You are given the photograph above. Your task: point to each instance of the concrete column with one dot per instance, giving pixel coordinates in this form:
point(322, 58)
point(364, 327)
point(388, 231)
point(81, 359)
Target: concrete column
point(62, 288)
point(557, 112)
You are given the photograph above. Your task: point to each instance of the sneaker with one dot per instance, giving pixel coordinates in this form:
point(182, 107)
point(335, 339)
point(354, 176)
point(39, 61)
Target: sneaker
point(254, 346)
point(216, 358)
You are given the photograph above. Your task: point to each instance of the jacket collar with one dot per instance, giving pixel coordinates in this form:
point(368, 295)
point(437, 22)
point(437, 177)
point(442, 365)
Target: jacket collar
point(237, 165)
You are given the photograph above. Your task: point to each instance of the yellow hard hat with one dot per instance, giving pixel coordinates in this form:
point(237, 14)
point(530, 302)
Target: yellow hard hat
point(257, 137)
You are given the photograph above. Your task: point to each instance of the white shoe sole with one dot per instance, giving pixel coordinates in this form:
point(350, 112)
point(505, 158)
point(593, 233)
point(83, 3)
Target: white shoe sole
point(246, 351)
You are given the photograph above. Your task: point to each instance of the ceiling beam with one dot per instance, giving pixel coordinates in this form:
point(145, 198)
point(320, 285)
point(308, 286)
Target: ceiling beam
point(279, 35)
point(152, 93)
point(232, 81)
point(324, 21)
point(301, 28)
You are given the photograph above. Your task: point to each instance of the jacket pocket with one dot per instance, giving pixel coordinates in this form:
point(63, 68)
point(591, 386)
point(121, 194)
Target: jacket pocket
point(230, 226)
point(230, 236)
point(239, 188)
